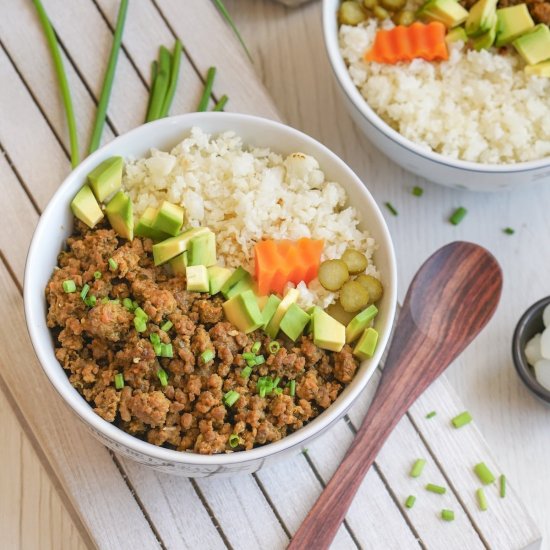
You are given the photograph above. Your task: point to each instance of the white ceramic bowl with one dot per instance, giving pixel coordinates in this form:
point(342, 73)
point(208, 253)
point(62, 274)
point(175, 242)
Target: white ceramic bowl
point(56, 224)
point(426, 164)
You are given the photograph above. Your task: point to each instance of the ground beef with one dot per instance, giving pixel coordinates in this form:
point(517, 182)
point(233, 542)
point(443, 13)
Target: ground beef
point(539, 9)
point(94, 343)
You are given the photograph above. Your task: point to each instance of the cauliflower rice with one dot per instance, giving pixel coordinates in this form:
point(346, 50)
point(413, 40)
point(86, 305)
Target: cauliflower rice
point(245, 194)
point(477, 106)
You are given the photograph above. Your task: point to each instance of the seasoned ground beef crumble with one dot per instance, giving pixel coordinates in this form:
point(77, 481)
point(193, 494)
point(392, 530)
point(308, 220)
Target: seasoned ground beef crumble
point(94, 343)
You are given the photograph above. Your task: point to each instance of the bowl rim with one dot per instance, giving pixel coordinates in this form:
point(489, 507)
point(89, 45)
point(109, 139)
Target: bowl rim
point(346, 84)
point(518, 354)
point(84, 411)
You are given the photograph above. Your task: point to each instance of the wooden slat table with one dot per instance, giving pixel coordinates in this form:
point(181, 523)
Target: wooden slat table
point(115, 503)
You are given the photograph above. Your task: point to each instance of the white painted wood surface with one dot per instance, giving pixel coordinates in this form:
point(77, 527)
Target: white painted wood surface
point(118, 504)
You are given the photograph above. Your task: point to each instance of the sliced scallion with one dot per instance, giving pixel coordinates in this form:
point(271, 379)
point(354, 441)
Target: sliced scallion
point(138, 312)
point(127, 303)
point(119, 381)
point(246, 372)
point(458, 215)
point(256, 347)
point(502, 483)
point(391, 208)
point(260, 360)
point(417, 191)
point(436, 489)
point(163, 377)
point(431, 414)
point(112, 264)
point(462, 419)
point(409, 503)
point(447, 515)
point(417, 468)
point(90, 301)
point(69, 286)
point(484, 474)
point(231, 397)
point(292, 385)
point(140, 324)
point(249, 356)
point(509, 231)
point(166, 350)
point(167, 326)
point(84, 291)
point(233, 440)
point(97, 275)
point(207, 355)
point(481, 499)
point(155, 338)
point(274, 347)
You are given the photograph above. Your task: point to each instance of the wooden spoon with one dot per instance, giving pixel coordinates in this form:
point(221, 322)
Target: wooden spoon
point(451, 298)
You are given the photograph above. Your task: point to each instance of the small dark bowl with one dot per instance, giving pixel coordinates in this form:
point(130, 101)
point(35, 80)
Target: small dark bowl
point(529, 325)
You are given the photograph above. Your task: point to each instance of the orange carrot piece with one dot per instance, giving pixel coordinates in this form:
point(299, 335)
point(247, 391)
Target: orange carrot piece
point(419, 40)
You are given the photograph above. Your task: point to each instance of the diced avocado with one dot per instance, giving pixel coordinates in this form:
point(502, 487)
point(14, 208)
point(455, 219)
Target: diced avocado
point(246, 283)
point(294, 321)
point(486, 40)
point(120, 214)
point(106, 178)
point(328, 333)
point(144, 227)
point(310, 312)
point(448, 12)
point(242, 311)
point(360, 322)
point(236, 276)
point(482, 18)
point(272, 327)
point(269, 309)
point(534, 46)
point(262, 301)
point(170, 248)
point(217, 276)
point(367, 344)
point(179, 264)
point(511, 23)
point(197, 278)
point(455, 35)
point(540, 69)
point(202, 250)
point(169, 218)
point(86, 208)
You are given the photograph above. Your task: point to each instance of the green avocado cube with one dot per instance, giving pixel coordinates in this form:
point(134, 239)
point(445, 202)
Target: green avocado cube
point(246, 283)
point(120, 214)
point(294, 321)
point(217, 276)
point(359, 323)
point(106, 178)
point(144, 227)
point(367, 344)
point(534, 46)
point(456, 34)
point(172, 247)
point(179, 264)
point(448, 12)
point(486, 40)
point(202, 250)
point(242, 311)
point(236, 276)
point(197, 278)
point(511, 23)
point(169, 218)
point(274, 324)
point(86, 208)
point(540, 69)
point(482, 18)
point(328, 333)
point(269, 309)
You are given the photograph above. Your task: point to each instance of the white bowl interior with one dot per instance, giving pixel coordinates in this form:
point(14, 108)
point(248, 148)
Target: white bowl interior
point(56, 224)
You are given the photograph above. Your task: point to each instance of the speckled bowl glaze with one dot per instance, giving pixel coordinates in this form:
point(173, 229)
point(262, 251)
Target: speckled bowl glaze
point(432, 166)
point(529, 324)
point(55, 226)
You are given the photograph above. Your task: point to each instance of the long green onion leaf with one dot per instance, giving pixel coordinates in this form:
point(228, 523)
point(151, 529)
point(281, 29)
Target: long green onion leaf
point(158, 93)
point(229, 19)
point(101, 113)
point(203, 104)
point(233, 440)
point(154, 72)
point(221, 103)
point(62, 78)
point(174, 74)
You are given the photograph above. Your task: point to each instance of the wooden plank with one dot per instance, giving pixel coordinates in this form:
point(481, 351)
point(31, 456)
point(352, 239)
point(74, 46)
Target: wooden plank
point(85, 468)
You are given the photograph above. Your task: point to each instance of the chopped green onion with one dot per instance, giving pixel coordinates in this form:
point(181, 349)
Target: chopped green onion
point(160, 86)
point(436, 489)
point(231, 397)
point(431, 414)
point(233, 440)
point(411, 499)
point(90, 301)
point(276, 381)
point(481, 499)
point(62, 78)
point(228, 18)
point(119, 381)
point(278, 391)
point(158, 349)
point(447, 515)
point(245, 373)
point(105, 300)
point(84, 291)
point(483, 473)
point(417, 468)
point(112, 264)
point(207, 355)
point(220, 104)
point(249, 356)
point(292, 385)
point(203, 104)
point(116, 301)
point(166, 350)
point(127, 303)
point(458, 215)
point(251, 362)
point(509, 231)
point(462, 419)
point(138, 312)
point(260, 360)
point(274, 347)
point(256, 347)
point(502, 480)
point(417, 191)
point(167, 326)
point(155, 338)
point(174, 74)
point(97, 275)
point(391, 208)
point(163, 377)
point(109, 77)
point(135, 304)
point(140, 324)
point(69, 286)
